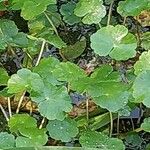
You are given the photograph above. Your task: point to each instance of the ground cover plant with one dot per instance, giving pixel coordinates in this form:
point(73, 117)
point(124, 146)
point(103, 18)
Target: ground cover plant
point(75, 74)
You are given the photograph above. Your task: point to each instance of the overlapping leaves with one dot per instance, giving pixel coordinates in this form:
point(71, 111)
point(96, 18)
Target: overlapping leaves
point(9, 35)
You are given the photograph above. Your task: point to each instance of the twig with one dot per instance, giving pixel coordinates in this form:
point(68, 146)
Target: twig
point(111, 124)
point(87, 110)
point(41, 52)
point(110, 12)
point(4, 113)
point(42, 122)
point(9, 107)
point(20, 101)
point(50, 21)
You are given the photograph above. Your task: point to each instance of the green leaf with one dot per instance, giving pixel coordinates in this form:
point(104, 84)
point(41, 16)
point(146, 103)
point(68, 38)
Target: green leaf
point(146, 125)
point(45, 69)
point(6, 140)
point(31, 8)
point(91, 11)
point(3, 77)
point(73, 51)
point(141, 88)
point(9, 35)
point(67, 10)
point(143, 63)
point(145, 40)
point(62, 130)
point(54, 103)
point(67, 71)
point(114, 41)
point(93, 139)
point(132, 7)
point(25, 80)
point(20, 121)
point(31, 137)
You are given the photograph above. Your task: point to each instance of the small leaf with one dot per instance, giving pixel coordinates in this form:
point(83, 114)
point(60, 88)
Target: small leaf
point(67, 71)
point(143, 63)
point(6, 140)
point(45, 69)
point(67, 10)
point(99, 140)
point(19, 121)
point(25, 80)
point(132, 7)
point(91, 11)
point(73, 51)
point(146, 125)
point(114, 41)
point(54, 103)
point(141, 88)
point(62, 130)
point(3, 77)
point(145, 43)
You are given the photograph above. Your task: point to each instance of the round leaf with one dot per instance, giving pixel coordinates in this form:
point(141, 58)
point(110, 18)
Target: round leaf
point(6, 140)
point(62, 130)
point(114, 41)
point(99, 140)
point(143, 63)
point(146, 125)
point(91, 11)
point(3, 77)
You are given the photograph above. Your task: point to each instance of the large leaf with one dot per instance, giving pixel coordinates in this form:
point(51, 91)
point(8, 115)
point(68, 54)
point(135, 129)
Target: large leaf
point(67, 10)
point(25, 80)
point(132, 7)
point(45, 68)
point(31, 8)
point(99, 140)
point(143, 63)
point(6, 140)
point(141, 88)
point(114, 41)
point(62, 130)
point(3, 77)
point(91, 11)
point(9, 35)
point(54, 102)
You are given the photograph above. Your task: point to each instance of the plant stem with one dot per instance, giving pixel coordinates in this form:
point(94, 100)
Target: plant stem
point(50, 21)
point(4, 113)
point(9, 107)
point(41, 52)
point(111, 124)
point(87, 110)
point(20, 101)
point(42, 122)
point(124, 20)
point(110, 12)
point(118, 121)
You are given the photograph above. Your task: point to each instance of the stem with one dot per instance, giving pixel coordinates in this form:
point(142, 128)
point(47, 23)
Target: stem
point(4, 113)
point(50, 21)
point(42, 122)
point(87, 110)
point(118, 121)
point(9, 107)
point(132, 123)
point(110, 12)
point(41, 52)
point(111, 124)
point(20, 101)
point(124, 20)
